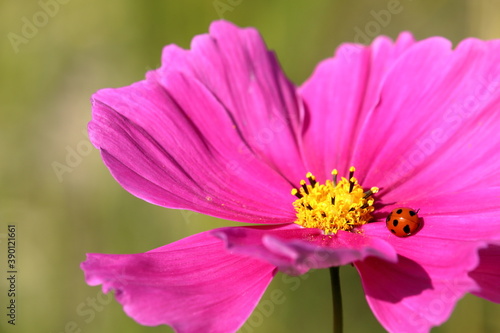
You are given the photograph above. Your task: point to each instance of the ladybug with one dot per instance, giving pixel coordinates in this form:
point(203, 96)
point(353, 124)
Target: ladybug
point(403, 222)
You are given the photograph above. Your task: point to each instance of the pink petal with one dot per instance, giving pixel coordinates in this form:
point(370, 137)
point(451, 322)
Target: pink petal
point(295, 250)
point(234, 67)
point(215, 130)
point(469, 215)
point(436, 125)
point(422, 288)
point(465, 203)
point(487, 273)
point(338, 96)
point(193, 285)
point(405, 298)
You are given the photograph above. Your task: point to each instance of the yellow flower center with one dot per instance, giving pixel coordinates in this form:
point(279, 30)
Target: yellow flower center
point(335, 205)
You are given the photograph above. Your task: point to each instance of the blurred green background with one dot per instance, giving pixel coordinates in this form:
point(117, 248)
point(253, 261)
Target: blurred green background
point(48, 75)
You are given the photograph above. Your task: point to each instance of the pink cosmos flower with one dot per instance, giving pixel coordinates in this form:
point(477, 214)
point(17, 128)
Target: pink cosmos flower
point(220, 130)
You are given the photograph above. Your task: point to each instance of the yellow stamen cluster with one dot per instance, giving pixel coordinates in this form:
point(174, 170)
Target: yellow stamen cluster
point(333, 206)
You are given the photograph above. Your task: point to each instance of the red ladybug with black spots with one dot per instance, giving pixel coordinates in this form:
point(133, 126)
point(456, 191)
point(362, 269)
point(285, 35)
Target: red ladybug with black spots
point(403, 222)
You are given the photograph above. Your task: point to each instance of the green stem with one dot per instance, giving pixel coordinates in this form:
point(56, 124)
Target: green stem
point(337, 300)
